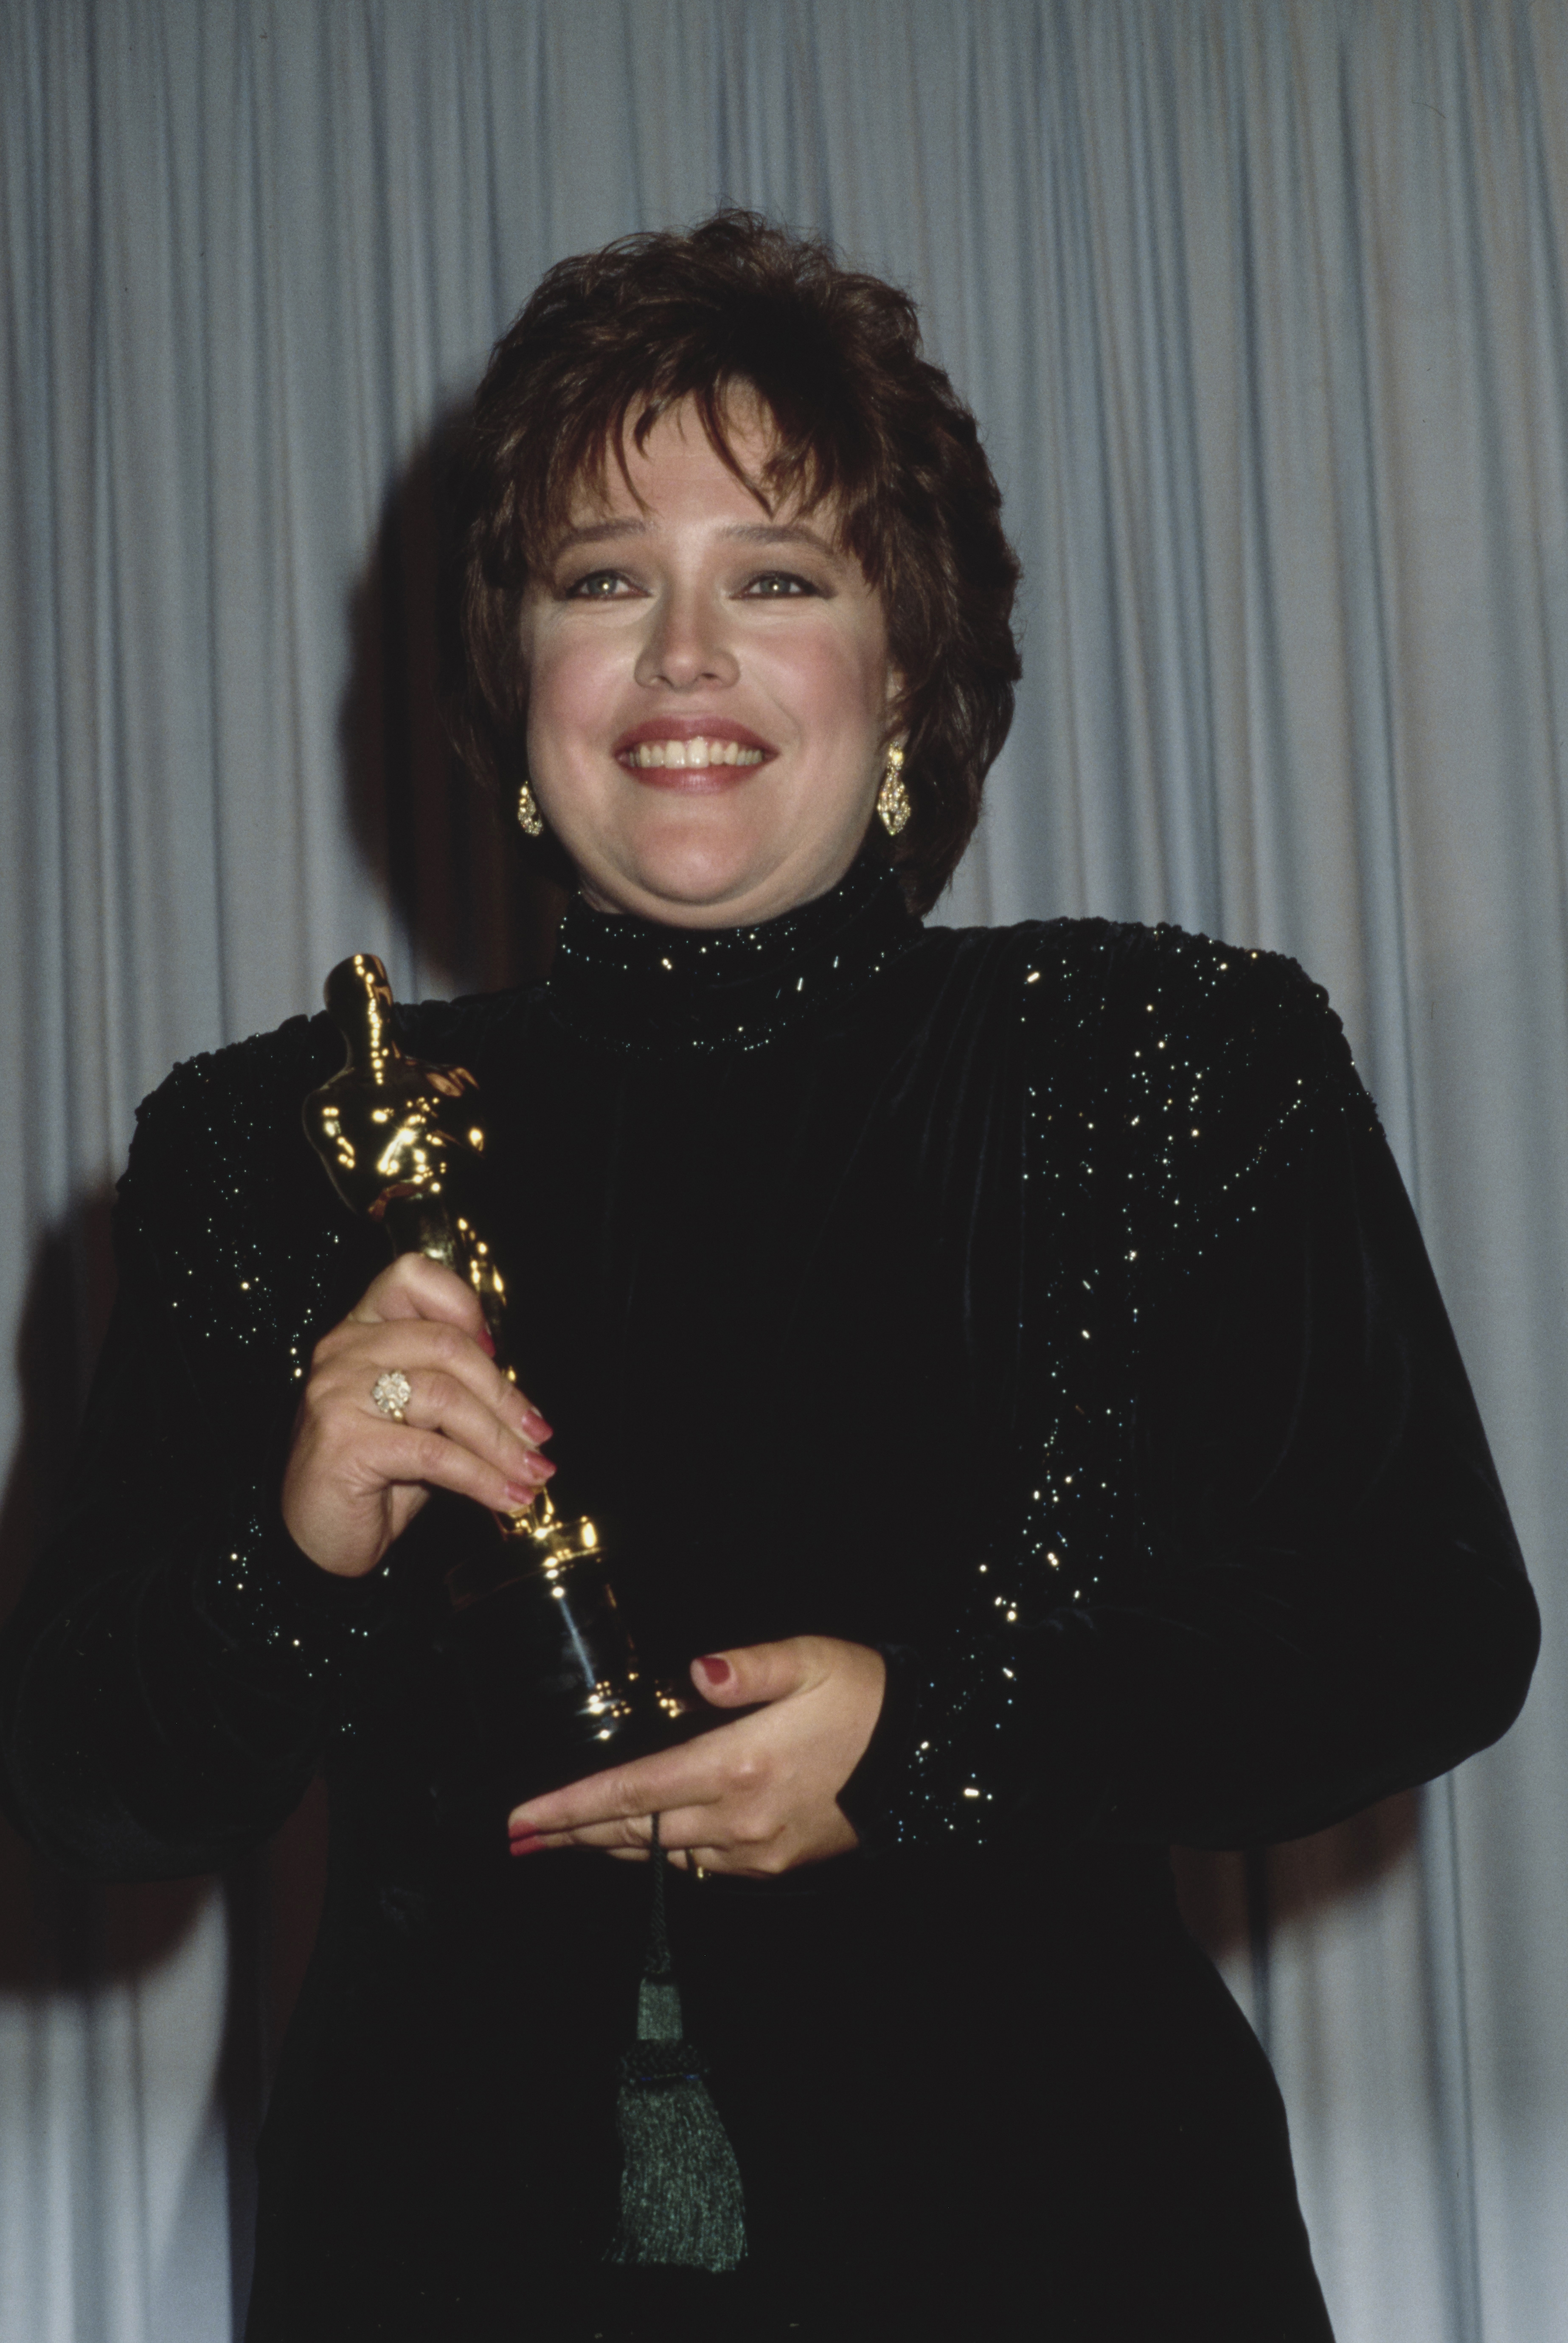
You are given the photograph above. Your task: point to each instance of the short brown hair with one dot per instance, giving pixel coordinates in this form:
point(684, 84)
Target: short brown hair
point(859, 417)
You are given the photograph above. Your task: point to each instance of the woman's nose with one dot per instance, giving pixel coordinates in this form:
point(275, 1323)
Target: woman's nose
point(687, 644)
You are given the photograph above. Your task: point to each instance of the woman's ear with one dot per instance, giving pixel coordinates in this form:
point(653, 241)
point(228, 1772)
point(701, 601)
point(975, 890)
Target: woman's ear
point(895, 710)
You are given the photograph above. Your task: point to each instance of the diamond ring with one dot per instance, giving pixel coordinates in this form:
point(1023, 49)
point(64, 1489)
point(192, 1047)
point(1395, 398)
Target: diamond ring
point(390, 1394)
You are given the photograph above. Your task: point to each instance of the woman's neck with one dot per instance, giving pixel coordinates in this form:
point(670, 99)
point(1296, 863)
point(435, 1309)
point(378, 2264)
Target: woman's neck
point(649, 989)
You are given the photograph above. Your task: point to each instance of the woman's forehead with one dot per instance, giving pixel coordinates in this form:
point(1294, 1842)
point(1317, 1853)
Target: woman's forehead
point(733, 450)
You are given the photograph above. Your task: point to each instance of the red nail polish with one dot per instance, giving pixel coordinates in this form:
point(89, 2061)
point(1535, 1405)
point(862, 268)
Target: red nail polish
point(717, 1671)
point(486, 1342)
point(519, 1494)
point(527, 1846)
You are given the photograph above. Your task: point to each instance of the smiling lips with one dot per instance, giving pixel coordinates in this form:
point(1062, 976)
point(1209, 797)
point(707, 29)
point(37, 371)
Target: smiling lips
point(689, 756)
point(673, 753)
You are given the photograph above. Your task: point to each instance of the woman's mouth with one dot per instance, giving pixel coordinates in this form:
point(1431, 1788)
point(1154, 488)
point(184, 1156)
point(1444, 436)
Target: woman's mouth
point(689, 756)
point(680, 757)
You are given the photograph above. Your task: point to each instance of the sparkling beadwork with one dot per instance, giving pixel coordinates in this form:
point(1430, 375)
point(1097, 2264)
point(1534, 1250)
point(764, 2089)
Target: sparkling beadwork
point(253, 1265)
point(637, 988)
point(1116, 1093)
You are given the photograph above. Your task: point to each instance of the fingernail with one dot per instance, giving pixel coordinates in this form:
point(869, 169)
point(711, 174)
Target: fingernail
point(486, 1342)
point(528, 1846)
point(534, 1470)
point(535, 1427)
point(520, 1495)
point(717, 1671)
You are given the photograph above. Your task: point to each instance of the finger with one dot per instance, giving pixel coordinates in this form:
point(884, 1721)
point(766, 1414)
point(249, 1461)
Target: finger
point(756, 1672)
point(342, 1433)
point(694, 1776)
point(698, 1863)
point(702, 1862)
point(698, 1860)
point(440, 1402)
point(356, 1353)
point(631, 1842)
point(628, 1838)
point(402, 1455)
point(414, 1286)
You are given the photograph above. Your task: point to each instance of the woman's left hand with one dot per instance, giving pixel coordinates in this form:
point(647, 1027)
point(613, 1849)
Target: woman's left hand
point(754, 1799)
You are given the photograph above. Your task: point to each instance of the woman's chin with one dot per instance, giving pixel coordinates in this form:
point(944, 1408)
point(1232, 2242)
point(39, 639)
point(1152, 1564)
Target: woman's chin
point(712, 884)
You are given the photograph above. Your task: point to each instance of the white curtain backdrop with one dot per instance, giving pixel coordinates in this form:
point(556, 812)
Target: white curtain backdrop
point(1264, 311)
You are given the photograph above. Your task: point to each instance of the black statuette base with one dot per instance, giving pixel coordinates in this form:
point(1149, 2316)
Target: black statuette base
point(555, 1690)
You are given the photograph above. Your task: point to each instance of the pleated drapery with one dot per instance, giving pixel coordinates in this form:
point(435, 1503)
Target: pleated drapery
point(1263, 311)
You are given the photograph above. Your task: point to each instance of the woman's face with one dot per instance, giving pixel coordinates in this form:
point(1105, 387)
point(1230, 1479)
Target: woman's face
point(708, 690)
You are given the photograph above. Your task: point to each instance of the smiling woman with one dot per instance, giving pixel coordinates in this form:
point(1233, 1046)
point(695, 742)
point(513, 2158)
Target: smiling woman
point(1008, 1361)
point(853, 474)
point(707, 731)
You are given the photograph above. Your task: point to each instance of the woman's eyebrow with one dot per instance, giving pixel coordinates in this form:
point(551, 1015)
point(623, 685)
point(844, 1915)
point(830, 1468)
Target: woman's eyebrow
point(762, 533)
point(599, 532)
point(788, 532)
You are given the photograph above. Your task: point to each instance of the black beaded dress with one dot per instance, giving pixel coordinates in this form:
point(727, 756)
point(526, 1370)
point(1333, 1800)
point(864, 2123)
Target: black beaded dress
point(1041, 1305)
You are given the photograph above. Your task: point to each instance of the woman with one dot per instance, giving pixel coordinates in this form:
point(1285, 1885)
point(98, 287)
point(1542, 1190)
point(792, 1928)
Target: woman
point(1008, 1356)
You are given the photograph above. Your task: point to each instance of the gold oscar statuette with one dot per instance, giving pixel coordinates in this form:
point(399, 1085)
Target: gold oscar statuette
point(559, 1691)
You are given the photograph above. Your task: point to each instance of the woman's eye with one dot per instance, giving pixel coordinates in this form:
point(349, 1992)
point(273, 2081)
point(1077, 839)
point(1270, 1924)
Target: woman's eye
point(599, 586)
point(778, 585)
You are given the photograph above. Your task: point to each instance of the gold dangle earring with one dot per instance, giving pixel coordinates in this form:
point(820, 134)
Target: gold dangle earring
point(531, 821)
point(893, 807)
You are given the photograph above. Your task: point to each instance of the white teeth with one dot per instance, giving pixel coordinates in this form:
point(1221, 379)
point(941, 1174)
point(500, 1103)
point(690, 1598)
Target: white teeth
point(689, 756)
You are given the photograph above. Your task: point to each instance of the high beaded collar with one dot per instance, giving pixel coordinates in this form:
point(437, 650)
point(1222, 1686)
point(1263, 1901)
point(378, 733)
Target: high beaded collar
point(649, 990)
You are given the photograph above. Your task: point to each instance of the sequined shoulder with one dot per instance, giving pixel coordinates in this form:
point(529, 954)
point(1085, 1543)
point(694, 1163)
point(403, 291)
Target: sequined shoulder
point(224, 1199)
point(216, 1124)
point(231, 1115)
point(1227, 1062)
point(1200, 1066)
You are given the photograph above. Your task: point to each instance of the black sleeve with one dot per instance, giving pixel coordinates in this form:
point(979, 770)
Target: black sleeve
point(1330, 1604)
point(175, 1666)
point(170, 1676)
point(1341, 1609)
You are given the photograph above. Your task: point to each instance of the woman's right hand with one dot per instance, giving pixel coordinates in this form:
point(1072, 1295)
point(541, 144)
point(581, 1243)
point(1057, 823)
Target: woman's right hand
point(356, 1478)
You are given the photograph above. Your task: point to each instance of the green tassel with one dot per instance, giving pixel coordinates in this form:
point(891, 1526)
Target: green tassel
point(680, 2197)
